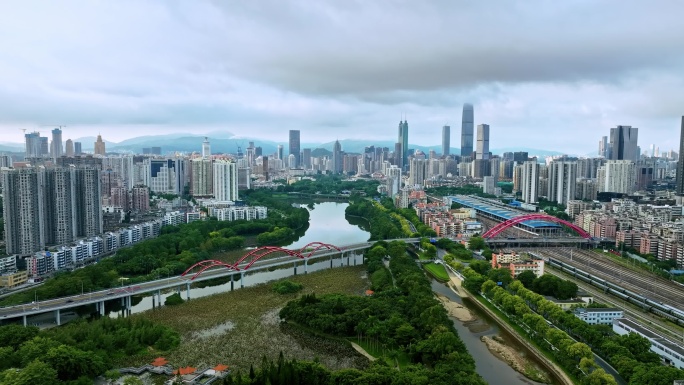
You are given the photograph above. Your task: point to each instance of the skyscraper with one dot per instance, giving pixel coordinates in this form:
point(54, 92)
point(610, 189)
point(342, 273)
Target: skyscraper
point(679, 188)
point(56, 149)
point(206, 148)
point(77, 148)
point(202, 179)
point(69, 148)
point(530, 182)
point(467, 122)
point(482, 151)
point(225, 181)
point(295, 148)
point(617, 176)
point(623, 143)
point(24, 210)
point(306, 159)
point(337, 158)
point(418, 171)
point(562, 181)
point(446, 140)
point(279, 153)
point(603, 147)
point(403, 140)
point(33, 144)
point(99, 146)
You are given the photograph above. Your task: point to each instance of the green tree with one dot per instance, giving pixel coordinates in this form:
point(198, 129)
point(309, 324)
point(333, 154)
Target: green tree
point(502, 275)
point(36, 372)
point(476, 243)
point(527, 277)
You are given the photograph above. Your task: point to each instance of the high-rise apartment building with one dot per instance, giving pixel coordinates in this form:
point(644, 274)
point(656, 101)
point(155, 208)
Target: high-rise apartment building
point(280, 154)
point(603, 147)
point(403, 141)
point(206, 148)
point(418, 171)
point(467, 125)
point(295, 148)
point(446, 140)
point(225, 181)
point(69, 148)
point(78, 150)
point(56, 149)
point(33, 145)
point(23, 209)
point(617, 176)
point(88, 204)
point(99, 146)
point(530, 182)
point(482, 151)
point(623, 143)
point(202, 178)
point(393, 180)
point(679, 188)
point(306, 159)
point(166, 176)
point(562, 181)
point(140, 198)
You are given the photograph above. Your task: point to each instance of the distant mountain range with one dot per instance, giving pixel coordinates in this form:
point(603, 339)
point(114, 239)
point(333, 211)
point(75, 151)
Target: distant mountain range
point(226, 142)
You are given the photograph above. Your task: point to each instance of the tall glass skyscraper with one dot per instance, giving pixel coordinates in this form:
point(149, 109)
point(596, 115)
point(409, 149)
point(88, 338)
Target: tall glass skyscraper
point(295, 148)
point(446, 140)
point(467, 125)
point(403, 141)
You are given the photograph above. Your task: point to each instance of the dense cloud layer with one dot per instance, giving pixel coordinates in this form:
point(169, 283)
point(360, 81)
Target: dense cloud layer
point(346, 69)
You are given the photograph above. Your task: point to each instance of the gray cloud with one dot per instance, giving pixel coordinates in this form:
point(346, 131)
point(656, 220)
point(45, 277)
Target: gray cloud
point(344, 69)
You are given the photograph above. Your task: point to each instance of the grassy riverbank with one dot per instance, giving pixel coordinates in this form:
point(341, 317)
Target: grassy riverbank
point(437, 270)
point(238, 328)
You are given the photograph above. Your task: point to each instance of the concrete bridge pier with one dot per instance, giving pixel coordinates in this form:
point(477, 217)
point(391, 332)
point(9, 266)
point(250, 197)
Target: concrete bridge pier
point(306, 266)
point(23, 318)
point(102, 308)
point(187, 289)
point(295, 267)
point(331, 258)
point(58, 319)
point(232, 282)
point(159, 297)
point(347, 259)
point(242, 279)
point(129, 303)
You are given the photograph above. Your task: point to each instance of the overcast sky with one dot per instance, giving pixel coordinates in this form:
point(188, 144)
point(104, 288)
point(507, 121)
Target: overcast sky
point(543, 74)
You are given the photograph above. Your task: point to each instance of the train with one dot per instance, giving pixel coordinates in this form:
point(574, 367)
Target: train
point(663, 310)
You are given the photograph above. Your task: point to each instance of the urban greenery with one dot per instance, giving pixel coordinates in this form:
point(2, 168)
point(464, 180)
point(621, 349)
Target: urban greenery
point(77, 352)
point(437, 270)
point(403, 319)
point(287, 287)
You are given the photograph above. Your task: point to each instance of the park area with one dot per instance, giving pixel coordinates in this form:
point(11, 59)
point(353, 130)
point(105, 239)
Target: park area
point(239, 328)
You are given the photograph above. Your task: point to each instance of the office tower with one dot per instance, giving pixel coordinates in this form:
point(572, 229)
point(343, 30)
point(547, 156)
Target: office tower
point(44, 149)
point(280, 153)
point(562, 181)
point(679, 187)
point(520, 157)
point(225, 181)
point(603, 147)
point(264, 166)
point(99, 146)
point(446, 140)
point(77, 148)
point(206, 148)
point(617, 176)
point(508, 156)
point(623, 143)
point(140, 199)
point(418, 171)
point(482, 151)
point(23, 209)
point(403, 141)
point(33, 145)
point(56, 149)
point(398, 161)
point(295, 148)
point(467, 125)
point(69, 148)
point(337, 159)
point(202, 179)
point(530, 182)
point(306, 159)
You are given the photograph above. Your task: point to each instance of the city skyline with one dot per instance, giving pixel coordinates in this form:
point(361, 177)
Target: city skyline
point(91, 76)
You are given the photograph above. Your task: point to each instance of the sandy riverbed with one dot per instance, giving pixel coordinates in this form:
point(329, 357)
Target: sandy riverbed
point(513, 358)
point(456, 310)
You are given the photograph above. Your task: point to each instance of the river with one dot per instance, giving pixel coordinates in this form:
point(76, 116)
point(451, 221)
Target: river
point(328, 224)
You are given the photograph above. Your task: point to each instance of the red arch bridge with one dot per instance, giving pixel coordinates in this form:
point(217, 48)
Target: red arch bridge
point(247, 260)
point(499, 228)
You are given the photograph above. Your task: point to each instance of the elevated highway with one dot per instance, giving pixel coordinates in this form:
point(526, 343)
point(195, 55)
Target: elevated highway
point(180, 282)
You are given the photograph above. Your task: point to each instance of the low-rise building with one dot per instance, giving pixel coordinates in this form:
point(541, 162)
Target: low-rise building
point(10, 280)
point(598, 316)
point(517, 263)
point(670, 352)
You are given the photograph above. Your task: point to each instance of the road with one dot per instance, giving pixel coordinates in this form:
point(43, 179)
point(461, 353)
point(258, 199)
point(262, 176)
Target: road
point(126, 291)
